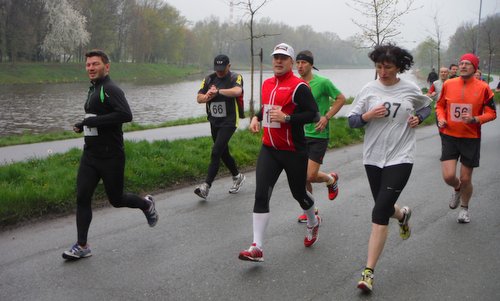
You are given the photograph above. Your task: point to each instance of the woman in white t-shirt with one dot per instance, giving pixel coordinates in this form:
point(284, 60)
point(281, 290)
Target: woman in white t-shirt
point(389, 108)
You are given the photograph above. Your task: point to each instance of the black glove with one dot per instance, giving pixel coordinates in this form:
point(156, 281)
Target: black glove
point(78, 127)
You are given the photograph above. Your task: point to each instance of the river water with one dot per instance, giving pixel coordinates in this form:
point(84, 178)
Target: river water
point(41, 108)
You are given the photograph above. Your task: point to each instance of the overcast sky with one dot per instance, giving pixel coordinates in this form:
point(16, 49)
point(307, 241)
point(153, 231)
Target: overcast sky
point(335, 16)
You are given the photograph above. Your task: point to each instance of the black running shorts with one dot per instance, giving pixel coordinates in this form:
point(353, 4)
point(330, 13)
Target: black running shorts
point(467, 149)
point(316, 149)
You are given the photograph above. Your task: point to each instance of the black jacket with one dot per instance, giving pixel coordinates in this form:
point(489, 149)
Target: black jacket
point(107, 102)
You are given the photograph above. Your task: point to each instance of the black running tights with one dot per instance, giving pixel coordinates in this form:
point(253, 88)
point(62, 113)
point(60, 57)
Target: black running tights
point(220, 151)
point(111, 171)
point(270, 164)
point(386, 185)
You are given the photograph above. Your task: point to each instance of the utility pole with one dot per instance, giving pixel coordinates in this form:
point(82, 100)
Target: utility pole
point(231, 9)
point(476, 51)
point(261, 55)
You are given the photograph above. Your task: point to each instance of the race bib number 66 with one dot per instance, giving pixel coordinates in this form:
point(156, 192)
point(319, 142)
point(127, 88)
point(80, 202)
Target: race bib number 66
point(458, 109)
point(218, 109)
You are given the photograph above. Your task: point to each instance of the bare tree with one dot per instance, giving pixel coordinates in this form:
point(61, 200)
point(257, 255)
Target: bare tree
point(438, 35)
point(490, 36)
point(251, 8)
point(381, 19)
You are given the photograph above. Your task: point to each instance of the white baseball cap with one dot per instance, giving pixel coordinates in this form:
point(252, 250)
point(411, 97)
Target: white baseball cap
point(285, 49)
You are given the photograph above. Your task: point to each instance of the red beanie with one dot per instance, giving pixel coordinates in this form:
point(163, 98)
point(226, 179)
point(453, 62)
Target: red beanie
point(471, 57)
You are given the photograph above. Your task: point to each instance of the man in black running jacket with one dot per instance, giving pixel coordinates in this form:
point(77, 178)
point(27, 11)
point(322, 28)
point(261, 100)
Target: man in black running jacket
point(106, 109)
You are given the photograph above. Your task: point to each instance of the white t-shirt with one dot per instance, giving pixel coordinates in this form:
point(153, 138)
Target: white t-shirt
point(438, 86)
point(390, 140)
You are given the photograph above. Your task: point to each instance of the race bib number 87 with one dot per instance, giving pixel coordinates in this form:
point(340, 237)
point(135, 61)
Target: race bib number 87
point(458, 109)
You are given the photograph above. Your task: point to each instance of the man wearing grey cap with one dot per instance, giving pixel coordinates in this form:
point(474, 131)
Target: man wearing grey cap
point(220, 92)
point(287, 104)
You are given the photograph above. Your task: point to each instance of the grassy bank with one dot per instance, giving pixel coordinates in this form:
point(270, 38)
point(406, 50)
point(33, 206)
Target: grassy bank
point(44, 187)
point(42, 73)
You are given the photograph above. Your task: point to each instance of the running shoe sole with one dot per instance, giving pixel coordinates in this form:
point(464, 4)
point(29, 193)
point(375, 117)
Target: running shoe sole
point(303, 218)
point(73, 257)
point(248, 258)
point(364, 287)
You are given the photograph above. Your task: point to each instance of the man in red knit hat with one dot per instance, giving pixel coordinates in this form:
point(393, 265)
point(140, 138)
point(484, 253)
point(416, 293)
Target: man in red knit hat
point(464, 105)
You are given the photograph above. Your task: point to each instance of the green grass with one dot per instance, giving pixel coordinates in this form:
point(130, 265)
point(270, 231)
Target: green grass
point(42, 187)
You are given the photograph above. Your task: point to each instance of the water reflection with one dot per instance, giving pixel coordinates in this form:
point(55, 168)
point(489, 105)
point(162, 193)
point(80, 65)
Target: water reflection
point(52, 107)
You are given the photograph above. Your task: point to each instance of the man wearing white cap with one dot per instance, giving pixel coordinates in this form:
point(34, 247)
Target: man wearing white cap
point(287, 104)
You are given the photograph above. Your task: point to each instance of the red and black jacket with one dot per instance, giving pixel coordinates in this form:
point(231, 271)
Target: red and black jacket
point(294, 97)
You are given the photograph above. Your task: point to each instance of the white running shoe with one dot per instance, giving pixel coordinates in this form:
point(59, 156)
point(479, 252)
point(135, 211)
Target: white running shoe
point(151, 214)
point(237, 183)
point(455, 199)
point(463, 216)
point(77, 252)
point(202, 191)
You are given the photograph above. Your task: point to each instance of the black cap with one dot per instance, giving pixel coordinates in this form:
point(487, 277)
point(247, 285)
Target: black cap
point(307, 56)
point(220, 62)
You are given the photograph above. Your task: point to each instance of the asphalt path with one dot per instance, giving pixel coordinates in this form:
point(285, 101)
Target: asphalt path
point(16, 153)
point(192, 252)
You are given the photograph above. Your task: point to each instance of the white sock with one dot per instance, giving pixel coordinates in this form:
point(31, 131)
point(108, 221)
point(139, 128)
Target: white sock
point(260, 221)
point(311, 217)
point(330, 181)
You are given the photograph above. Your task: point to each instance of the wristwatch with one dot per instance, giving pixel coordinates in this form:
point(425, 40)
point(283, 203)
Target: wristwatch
point(287, 118)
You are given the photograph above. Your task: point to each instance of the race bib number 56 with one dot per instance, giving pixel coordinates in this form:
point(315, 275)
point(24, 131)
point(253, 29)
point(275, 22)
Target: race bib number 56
point(458, 109)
